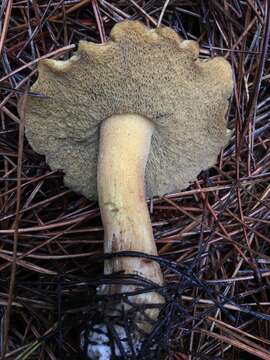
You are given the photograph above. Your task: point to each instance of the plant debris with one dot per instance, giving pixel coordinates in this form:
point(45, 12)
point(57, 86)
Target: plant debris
point(213, 237)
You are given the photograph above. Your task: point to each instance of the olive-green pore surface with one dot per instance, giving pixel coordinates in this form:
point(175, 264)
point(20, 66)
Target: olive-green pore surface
point(153, 73)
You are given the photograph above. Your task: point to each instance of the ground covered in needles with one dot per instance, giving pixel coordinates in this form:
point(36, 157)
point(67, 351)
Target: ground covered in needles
point(213, 237)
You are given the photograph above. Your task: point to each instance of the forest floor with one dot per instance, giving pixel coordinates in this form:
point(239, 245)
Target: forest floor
point(213, 237)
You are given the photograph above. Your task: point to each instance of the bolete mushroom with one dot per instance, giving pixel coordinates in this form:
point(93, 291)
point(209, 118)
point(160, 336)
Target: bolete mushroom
point(140, 114)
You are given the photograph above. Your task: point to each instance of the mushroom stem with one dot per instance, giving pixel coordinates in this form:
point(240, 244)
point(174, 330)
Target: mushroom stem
point(124, 147)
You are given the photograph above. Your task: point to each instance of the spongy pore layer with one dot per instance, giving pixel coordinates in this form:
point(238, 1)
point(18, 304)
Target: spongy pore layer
point(153, 73)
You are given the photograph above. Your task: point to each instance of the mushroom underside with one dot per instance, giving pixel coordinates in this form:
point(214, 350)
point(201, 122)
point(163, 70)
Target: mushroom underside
point(153, 74)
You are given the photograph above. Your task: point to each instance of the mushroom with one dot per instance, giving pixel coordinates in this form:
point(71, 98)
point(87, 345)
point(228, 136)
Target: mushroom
point(137, 116)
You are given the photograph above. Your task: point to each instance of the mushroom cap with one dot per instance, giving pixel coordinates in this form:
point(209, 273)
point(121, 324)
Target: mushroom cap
point(153, 73)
